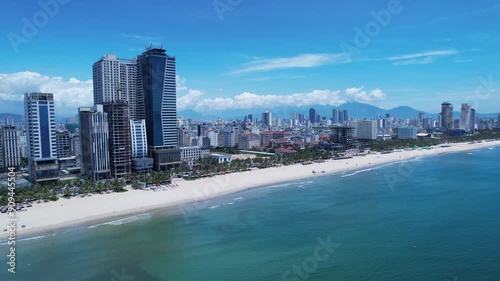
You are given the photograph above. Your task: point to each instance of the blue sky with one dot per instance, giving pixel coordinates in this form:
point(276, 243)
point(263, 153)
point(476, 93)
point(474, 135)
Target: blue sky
point(242, 53)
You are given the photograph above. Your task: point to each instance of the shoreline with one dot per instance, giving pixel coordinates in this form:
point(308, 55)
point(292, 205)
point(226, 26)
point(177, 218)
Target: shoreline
point(101, 208)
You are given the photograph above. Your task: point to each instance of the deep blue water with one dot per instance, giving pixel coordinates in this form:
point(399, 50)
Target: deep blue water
point(434, 218)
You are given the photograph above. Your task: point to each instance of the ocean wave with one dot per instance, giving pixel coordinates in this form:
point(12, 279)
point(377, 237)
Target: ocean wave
point(357, 172)
point(125, 220)
point(213, 207)
point(239, 198)
point(230, 203)
point(26, 239)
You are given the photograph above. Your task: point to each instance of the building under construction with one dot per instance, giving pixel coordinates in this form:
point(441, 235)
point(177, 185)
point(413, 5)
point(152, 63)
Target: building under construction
point(343, 137)
point(120, 148)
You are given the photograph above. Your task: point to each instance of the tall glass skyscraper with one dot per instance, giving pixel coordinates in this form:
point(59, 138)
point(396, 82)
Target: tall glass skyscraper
point(447, 116)
point(41, 126)
point(156, 104)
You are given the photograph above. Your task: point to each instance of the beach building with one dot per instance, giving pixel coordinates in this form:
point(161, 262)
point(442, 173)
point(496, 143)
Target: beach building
point(41, 131)
point(94, 141)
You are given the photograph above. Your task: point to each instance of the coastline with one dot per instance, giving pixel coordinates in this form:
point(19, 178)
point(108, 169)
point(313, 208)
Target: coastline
point(64, 213)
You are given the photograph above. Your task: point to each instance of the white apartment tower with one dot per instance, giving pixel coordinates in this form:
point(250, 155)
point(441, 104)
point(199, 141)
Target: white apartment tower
point(139, 139)
point(115, 79)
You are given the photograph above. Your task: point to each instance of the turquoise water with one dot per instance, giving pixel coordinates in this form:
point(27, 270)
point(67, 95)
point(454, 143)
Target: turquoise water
point(438, 220)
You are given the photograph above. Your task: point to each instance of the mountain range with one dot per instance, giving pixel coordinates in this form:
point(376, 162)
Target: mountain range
point(354, 109)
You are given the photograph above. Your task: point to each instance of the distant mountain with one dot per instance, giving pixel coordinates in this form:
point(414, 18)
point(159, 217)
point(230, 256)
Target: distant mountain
point(18, 118)
point(354, 109)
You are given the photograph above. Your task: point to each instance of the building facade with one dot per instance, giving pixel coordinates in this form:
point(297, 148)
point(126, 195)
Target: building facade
point(115, 79)
point(10, 156)
point(446, 116)
point(41, 137)
point(94, 140)
point(63, 141)
point(138, 138)
point(120, 148)
point(156, 104)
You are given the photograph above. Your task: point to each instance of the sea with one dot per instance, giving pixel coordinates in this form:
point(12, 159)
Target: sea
point(430, 218)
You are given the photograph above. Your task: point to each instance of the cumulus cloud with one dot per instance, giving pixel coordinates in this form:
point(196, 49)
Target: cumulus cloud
point(322, 97)
point(357, 94)
point(190, 99)
point(68, 94)
point(300, 61)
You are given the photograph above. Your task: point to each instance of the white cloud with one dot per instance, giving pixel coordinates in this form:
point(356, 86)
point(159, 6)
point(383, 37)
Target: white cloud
point(421, 58)
point(68, 94)
point(357, 94)
point(189, 100)
point(181, 83)
point(300, 61)
point(322, 97)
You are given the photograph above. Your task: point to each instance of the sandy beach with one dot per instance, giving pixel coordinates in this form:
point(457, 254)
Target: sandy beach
point(63, 213)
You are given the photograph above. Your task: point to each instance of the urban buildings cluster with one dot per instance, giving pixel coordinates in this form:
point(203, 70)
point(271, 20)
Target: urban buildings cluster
point(133, 126)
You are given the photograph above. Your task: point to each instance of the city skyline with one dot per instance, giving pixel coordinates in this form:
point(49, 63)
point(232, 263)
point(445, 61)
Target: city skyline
point(307, 72)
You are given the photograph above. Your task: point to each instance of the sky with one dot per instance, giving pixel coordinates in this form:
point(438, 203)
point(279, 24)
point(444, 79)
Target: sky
point(240, 54)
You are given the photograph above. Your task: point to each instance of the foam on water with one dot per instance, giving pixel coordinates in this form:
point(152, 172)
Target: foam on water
point(125, 220)
point(213, 207)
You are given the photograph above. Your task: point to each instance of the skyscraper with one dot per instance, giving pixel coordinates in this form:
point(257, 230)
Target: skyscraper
point(94, 141)
point(119, 138)
point(312, 115)
point(472, 120)
point(115, 79)
point(498, 121)
point(267, 119)
point(41, 126)
point(9, 149)
point(156, 104)
point(465, 115)
point(446, 116)
point(335, 115)
point(346, 117)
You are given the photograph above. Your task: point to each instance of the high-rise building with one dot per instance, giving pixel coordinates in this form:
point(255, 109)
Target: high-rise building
point(312, 115)
point(498, 121)
point(10, 155)
point(447, 116)
point(301, 118)
point(139, 139)
point(267, 119)
point(120, 159)
point(465, 116)
point(76, 146)
point(63, 142)
point(407, 133)
point(250, 117)
point(365, 129)
point(9, 121)
point(94, 140)
point(472, 122)
point(335, 116)
point(346, 116)
point(41, 125)
point(115, 79)
point(156, 104)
